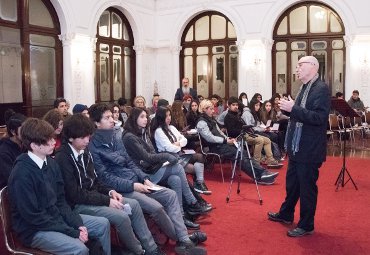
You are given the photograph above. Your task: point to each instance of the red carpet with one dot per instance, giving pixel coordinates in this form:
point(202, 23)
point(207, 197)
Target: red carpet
point(241, 227)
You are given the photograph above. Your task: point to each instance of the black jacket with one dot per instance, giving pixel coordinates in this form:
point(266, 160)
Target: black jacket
point(142, 151)
point(81, 185)
point(312, 146)
point(9, 151)
point(37, 200)
point(233, 124)
point(179, 94)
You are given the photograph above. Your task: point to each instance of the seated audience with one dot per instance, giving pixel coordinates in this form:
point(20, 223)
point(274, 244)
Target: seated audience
point(234, 126)
point(116, 169)
point(139, 101)
point(87, 195)
point(122, 109)
point(154, 106)
point(193, 115)
point(81, 108)
point(169, 139)
point(186, 103)
point(114, 108)
point(60, 104)
point(219, 143)
point(55, 119)
point(11, 145)
point(41, 217)
point(137, 141)
point(179, 118)
point(355, 102)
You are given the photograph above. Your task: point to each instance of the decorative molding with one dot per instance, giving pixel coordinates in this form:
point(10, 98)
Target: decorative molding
point(93, 41)
point(139, 49)
point(268, 43)
point(162, 5)
point(241, 44)
point(348, 40)
point(175, 49)
point(67, 38)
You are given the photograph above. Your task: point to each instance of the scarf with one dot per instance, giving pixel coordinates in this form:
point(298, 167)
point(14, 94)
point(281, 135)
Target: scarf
point(298, 125)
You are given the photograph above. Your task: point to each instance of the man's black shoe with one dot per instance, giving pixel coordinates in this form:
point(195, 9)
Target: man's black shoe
point(189, 248)
point(297, 232)
point(191, 225)
point(276, 217)
point(197, 209)
point(198, 237)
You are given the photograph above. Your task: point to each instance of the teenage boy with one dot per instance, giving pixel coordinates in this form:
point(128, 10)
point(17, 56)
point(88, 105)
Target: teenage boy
point(86, 194)
point(41, 217)
point(116, 169)
point(11, 146)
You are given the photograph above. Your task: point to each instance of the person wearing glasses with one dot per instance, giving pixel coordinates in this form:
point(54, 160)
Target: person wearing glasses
point(305, 143)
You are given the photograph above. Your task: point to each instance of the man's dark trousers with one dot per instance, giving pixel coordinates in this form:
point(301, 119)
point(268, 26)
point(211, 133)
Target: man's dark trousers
point(301, 181)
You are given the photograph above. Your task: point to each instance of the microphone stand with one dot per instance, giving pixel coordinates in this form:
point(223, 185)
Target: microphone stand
point(239, 156)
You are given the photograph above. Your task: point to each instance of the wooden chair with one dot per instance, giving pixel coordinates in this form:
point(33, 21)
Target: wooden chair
point(334, 126)
point(13, 245)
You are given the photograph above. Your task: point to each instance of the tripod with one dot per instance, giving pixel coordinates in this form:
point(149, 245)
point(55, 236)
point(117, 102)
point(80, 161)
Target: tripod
point(340, 179)
point(239, 156)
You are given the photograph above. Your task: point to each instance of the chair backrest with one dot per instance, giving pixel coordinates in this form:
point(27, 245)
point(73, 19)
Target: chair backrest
point(367, 117)
point(202, 148)
point(333, 122)
point(12, 243)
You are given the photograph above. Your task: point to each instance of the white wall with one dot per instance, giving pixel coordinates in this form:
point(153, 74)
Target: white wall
point(158, 27)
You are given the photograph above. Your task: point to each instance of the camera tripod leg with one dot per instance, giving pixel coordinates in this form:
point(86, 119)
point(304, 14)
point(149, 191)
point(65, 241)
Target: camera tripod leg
point(239, 154)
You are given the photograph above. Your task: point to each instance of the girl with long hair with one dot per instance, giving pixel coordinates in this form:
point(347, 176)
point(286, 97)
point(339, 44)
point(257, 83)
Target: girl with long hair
point(193, 115)
point(169, 139)
point(162, 168)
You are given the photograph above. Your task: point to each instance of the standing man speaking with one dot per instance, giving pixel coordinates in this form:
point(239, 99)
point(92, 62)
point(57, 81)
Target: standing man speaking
point(305, 143)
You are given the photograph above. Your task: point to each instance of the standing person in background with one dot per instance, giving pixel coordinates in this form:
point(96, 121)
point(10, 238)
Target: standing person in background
point(185, 90)
point(306, 146)
point(10, 146)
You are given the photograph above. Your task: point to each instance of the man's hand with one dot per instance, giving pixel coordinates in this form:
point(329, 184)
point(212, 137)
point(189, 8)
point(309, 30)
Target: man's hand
point(117, 196)
point(84, 236)
point(113, 203)
point(286, 105)
point(141, 188)
point(230, 140)
point(148, 183)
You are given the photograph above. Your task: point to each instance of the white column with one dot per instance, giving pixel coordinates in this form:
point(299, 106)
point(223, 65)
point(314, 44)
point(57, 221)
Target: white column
point(67, 63)
point(139, 50)
point(242, 74)
point(175, 81)
point(79, 69)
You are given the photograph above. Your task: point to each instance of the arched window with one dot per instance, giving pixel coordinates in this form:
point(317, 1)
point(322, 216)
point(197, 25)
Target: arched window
point(308, 28)
point(209, 56)
point(115, 58)
point(30, 56)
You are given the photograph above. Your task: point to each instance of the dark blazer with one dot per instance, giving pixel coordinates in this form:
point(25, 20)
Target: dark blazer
point(312, 146)
point(81, 185)
point(37, 200)
point(179, 94)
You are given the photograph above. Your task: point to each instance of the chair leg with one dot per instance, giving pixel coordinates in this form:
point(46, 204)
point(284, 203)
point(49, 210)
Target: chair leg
point(222, 171)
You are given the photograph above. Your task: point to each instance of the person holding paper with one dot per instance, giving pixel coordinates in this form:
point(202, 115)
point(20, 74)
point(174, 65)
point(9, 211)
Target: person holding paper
point(306, 146)
point(86, 194)
point(234, 126)
point(268, 117)
point(138, 144)
point(169, 139)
